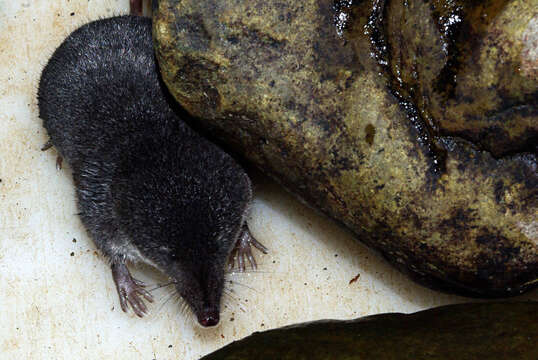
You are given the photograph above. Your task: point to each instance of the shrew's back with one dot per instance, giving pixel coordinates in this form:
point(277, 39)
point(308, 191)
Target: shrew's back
point(101, 86)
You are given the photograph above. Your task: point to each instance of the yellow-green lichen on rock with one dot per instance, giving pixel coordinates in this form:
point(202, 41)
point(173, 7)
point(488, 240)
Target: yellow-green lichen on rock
point(309, 92)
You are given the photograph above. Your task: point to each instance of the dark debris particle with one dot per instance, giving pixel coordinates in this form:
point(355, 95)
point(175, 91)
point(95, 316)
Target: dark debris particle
point(335, 255)
point(74, 240)
point(232, 319)
point(354, 279)
point(262, 324)
point(324, 268)
point(370, 133)
point(222, 336)
point(72, 14)
point(72, 253)
point(169, 346)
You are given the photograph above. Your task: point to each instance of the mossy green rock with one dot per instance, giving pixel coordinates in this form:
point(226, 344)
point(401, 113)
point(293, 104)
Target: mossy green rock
point(466, 331)
point(322, 97)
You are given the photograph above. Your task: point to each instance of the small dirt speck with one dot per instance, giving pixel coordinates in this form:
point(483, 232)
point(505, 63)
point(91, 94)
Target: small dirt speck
point(370, 133)
point(72, 253)
point(354, 279)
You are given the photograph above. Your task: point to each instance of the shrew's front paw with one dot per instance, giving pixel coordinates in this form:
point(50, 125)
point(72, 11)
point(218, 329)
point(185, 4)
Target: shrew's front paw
point(130, 290)
point(243, 250)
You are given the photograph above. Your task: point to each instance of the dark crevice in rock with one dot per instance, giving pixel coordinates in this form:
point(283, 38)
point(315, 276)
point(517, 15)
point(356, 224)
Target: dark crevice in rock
point(426, 135)
point(455, 23)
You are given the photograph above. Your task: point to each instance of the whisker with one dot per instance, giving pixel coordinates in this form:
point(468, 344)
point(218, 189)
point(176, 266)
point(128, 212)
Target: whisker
point(227, 295)
point(248, 271)
point(159, 286)
point(190, 317)
point(180, 303)
point(170, 296)
point(227, 291)
point(243, 285)
point(184, 308)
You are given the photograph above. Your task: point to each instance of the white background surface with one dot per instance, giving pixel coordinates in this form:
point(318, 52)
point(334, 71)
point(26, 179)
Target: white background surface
point(57, 298)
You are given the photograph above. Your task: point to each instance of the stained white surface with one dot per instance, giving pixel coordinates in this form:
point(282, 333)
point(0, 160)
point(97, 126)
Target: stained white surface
point(57, 297)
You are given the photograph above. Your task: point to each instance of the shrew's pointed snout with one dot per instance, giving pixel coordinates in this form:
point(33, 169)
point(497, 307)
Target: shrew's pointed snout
point(209, 317)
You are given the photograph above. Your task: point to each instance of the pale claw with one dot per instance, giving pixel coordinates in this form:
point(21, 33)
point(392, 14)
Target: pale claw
point(47, 145)
point(59, 161)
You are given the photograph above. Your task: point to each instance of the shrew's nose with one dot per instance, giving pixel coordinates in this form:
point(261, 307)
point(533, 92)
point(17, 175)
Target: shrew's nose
point(208, 318)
